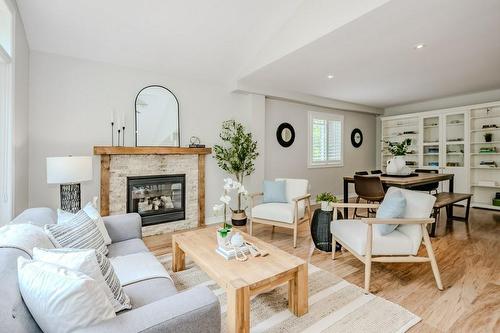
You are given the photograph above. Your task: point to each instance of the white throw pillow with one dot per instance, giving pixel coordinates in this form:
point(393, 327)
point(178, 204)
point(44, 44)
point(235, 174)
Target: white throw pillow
point(91, 210)
point(24, 237)
point(93, 264)
point(80, 232)
point(59, 299)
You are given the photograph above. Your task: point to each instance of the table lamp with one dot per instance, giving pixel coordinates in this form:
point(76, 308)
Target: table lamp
point(69, 172)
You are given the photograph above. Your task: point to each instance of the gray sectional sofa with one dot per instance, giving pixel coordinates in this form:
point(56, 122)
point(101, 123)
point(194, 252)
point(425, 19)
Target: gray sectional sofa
point(157, 305)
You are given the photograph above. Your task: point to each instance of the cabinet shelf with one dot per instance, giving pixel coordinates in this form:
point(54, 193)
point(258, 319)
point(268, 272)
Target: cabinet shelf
point(485, 154)
point(486, 186)
point(485, 117)
point(484, 205)
point(485, 168)
point(483, 142)
point(486, 129)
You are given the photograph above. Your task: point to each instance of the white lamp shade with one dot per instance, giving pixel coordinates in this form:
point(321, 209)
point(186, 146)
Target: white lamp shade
point(69, 169)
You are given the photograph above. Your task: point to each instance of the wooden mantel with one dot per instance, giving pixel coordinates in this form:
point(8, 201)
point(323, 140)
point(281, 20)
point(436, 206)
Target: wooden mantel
point(107, 151)
point(110, 150)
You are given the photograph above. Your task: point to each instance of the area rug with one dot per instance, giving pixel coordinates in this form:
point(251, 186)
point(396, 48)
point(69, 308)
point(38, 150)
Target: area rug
point(335, 305)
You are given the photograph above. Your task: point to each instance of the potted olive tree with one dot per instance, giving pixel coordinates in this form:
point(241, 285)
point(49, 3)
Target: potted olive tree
point(236, 155)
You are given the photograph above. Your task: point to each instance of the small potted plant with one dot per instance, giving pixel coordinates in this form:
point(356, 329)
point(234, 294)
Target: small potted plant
point(326, 199)
point(488, 137)
point(224, 232)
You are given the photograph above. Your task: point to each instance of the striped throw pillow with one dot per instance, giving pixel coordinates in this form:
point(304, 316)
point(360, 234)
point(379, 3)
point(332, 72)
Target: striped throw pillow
point(79, 233)
point(121, 300)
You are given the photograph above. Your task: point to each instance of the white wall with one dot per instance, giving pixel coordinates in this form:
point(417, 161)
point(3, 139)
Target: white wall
point(20, 119)
point(292, 161)
point(70, 106)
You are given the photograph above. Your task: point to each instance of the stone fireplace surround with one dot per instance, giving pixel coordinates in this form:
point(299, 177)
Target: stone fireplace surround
point(118, 163)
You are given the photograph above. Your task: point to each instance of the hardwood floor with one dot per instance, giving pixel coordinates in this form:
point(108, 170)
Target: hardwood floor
point(469, 263)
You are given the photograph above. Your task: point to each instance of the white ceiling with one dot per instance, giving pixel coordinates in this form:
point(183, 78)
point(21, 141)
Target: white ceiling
point(368, 46)
point(205, 39)
point(374, 62)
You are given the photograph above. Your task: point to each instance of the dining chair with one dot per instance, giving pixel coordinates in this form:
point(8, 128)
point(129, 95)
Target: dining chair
point(369, 188)
point(427, 187)
point(401, 245)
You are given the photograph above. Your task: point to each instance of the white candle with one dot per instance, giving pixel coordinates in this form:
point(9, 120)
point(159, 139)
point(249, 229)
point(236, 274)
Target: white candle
point(113, 115)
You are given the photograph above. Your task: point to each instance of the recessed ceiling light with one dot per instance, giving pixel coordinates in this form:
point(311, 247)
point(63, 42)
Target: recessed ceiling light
point(419, 46)
point(330, 76)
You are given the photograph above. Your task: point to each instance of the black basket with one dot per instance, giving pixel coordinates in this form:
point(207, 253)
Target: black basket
point(320, 230)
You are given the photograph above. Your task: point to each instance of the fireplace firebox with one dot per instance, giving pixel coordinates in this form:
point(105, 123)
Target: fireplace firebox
point(158, 199)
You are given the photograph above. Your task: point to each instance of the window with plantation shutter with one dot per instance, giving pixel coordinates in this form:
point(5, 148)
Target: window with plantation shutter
point(325, 139)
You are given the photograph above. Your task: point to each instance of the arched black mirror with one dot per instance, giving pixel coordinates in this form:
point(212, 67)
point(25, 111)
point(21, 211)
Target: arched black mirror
point(156, 117)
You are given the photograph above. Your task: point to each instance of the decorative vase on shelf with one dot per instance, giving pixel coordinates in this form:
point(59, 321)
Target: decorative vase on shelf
point(397, 166)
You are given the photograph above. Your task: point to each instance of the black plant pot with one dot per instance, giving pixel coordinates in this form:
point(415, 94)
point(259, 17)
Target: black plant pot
point(320, 230)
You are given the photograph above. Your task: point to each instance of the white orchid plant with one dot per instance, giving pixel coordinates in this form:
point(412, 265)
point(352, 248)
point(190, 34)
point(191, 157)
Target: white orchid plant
point(225, 199)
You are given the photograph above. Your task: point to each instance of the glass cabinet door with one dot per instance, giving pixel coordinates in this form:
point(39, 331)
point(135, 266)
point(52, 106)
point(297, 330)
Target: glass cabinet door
point(455, 133)
point(430, 140)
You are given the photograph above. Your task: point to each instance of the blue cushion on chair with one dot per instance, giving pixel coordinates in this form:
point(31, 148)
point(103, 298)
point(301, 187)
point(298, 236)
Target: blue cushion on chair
point(274, 191)
point(393, 206)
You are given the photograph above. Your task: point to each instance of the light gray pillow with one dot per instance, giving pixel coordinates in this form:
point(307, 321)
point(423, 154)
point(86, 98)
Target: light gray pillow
point(80, 232)
point(274, 191)
point(393, 206)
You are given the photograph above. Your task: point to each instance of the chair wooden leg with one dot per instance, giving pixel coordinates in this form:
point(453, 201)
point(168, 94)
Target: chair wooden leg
point(273, 229)
point(333, 247)
point(437, 217)
point(250, 226)
point(368, 259)
point(355, 209)
point(295, 235)
point(430, 253)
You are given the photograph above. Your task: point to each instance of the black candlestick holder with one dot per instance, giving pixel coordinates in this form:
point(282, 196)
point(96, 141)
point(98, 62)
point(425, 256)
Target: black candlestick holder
point(112, 134)
point(123, 133)
point(119, 137)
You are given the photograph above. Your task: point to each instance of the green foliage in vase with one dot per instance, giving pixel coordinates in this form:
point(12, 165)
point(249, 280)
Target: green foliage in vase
point(237, 154)
point(399, 148)
point(326, 196)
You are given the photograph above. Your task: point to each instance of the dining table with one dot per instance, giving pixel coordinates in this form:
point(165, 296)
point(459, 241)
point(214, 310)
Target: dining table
point(405, 182)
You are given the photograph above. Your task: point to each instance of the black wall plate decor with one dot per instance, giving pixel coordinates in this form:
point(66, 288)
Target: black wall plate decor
point(285, 134)
point(356, 138)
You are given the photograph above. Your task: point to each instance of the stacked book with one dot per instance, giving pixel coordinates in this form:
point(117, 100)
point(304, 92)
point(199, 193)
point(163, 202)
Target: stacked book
point(485, 150)
point(229, 252)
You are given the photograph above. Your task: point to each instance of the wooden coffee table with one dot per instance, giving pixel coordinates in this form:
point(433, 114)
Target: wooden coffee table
point(241, 280)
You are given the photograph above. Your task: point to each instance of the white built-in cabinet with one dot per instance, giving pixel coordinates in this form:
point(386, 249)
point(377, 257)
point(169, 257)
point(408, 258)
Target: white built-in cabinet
point(450, 141)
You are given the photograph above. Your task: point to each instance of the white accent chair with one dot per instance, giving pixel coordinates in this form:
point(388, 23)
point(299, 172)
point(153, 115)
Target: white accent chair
point(289, 215)
point(401, 245)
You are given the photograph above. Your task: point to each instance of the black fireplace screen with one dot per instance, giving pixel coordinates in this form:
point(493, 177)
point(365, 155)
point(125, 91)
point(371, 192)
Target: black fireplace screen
point(157, 199)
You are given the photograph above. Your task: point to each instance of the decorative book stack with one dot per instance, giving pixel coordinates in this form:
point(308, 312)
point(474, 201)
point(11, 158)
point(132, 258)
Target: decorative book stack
point(230, 252)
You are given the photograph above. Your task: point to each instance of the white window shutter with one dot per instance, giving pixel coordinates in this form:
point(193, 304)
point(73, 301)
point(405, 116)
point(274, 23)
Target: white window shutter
point(325, 145)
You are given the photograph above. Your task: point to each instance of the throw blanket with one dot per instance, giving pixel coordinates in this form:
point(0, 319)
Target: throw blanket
point(24, 237)
point(137, 267)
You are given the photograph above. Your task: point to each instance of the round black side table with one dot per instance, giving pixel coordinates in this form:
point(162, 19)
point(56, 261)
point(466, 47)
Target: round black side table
point(320, 230)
